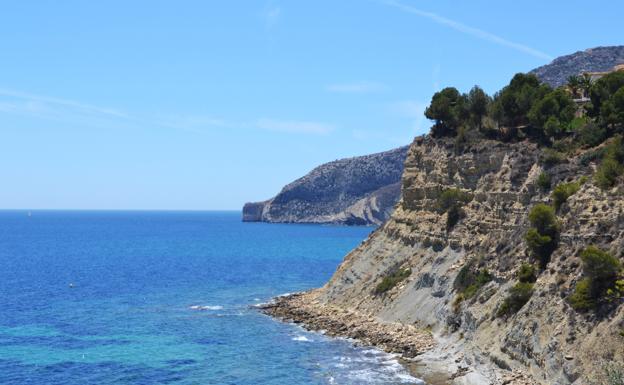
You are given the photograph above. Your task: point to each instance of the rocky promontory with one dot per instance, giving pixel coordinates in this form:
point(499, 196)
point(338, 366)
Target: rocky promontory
point(507, 244)
point(355, 191)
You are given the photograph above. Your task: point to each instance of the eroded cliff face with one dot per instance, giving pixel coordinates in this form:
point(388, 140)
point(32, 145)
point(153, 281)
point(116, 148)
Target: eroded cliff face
point(355, 191)
point(556, 344)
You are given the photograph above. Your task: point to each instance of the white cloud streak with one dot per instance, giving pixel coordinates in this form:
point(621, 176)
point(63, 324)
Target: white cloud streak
point(295, 127)
point(51, 108)
point(356, 88)
point(468, 30)
point(271, 16)
point(413, 110)
point(32, 100)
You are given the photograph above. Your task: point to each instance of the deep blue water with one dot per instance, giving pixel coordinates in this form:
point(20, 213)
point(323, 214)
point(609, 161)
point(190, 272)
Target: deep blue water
point(166, 298)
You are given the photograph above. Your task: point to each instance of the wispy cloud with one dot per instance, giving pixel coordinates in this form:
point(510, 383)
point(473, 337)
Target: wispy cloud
point(357, 87)
point(295, 127)
point(271, 16)
point(52, 108)
point(40, 103)
point(468, 30)
point(413, 110)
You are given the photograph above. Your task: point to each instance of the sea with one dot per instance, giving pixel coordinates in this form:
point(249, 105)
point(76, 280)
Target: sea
point(141, 297)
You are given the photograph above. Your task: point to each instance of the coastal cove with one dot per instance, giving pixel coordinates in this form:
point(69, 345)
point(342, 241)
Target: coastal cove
point(169, 297)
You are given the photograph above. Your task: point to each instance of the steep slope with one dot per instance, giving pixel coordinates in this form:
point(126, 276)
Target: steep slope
point(592, 60)
point(546, 338)
point(361, 191)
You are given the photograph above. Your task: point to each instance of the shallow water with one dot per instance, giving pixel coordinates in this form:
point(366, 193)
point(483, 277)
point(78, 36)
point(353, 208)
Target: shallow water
point(166, 298)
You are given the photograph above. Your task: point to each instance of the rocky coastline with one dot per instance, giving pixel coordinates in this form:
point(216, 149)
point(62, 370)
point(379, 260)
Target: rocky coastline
point(425, 356)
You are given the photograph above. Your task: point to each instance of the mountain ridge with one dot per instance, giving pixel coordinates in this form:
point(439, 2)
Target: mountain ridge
point(597, 59)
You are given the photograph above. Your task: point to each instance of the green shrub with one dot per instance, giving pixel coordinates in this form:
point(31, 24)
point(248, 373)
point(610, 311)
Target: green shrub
point(541, 238)
point(601, 283)
point(542, 217)
point(566, 145)
point(617, 291)
point(461, 139)
point(607, 173)
point(592, 155)
point(452, 197)
point(543, 181)
point(451, 202)
point(518, 296)
point(553, 113)
point(581, 299)
point(592, 134)
point(601, 268)
point(447, 109)
point(391, 280)
point(615, 149)
point(527, 273)
point(551, 157)
point(470, 279)
point(562, 192)
point(541, 246)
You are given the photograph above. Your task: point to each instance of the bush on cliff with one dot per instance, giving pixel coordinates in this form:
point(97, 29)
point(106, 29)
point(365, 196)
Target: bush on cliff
point(603, 96)
point(512, 104)
point(542, 217)
point(563, 191)
point(470, 279)
point(553, 112)
point(527, 273)
point(527, 108)
point(447, 110)
point(601, 271)
point(607, 173)
point(391, 280)
point(543, 181)
point(518, 296)
point(591, 134)
point(478, 103)
point(451, 202)
point(541, 238)
point(551, 157)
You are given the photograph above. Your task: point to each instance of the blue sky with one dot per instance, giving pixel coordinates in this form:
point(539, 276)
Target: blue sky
point(206, 104)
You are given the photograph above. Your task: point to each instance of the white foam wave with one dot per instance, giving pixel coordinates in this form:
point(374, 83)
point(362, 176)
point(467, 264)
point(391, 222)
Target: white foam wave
point(206, 307)
point(371, 366)
point(302, 339)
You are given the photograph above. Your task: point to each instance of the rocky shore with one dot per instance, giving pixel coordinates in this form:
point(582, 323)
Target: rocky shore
point(391, 337)
point(420, 353)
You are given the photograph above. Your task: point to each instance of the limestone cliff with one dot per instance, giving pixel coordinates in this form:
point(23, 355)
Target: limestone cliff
point(547, 338)
point(354, 191)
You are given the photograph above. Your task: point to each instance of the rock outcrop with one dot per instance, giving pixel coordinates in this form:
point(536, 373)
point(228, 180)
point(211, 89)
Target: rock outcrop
point(592, 60)
point(546, 339)
point(354, 191)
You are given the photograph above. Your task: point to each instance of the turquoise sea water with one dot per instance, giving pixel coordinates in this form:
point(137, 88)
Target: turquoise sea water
point(167, 298)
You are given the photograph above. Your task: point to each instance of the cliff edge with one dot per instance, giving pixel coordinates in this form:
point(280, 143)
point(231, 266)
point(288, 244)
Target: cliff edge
point(546, 338)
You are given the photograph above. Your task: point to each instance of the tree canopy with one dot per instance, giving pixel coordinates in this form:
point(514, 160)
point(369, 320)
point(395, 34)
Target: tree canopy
point(527, 108)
